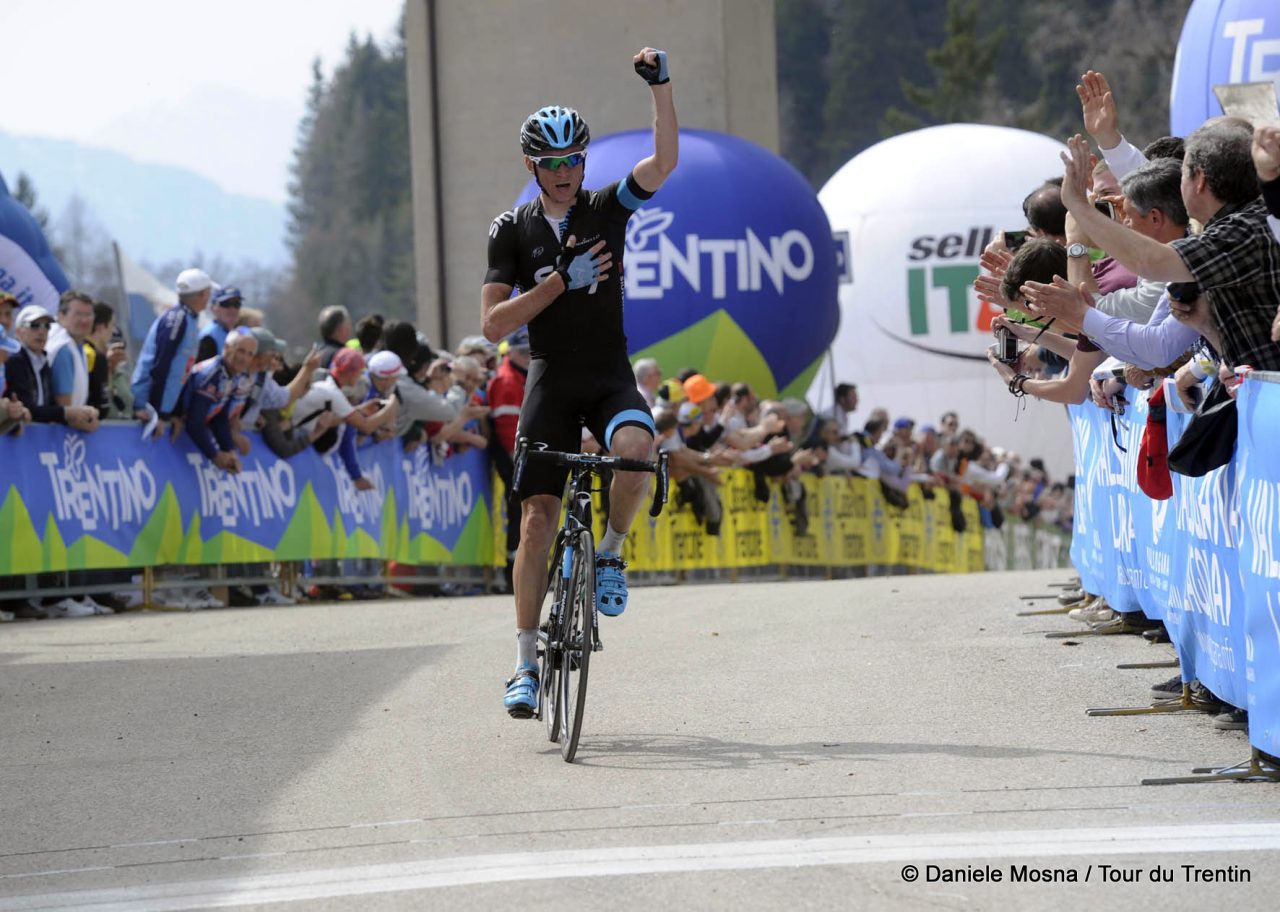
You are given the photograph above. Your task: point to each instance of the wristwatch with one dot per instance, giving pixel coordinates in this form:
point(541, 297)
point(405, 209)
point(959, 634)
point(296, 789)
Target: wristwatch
point(1077, 250)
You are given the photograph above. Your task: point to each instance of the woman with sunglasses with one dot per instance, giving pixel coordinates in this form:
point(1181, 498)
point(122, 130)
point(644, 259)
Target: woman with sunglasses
point(559, 251)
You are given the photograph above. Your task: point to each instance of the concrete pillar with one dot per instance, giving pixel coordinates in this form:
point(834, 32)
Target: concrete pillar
point(477, 68)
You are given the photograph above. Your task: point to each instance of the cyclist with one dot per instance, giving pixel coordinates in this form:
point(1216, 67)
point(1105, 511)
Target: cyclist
point(559, 251)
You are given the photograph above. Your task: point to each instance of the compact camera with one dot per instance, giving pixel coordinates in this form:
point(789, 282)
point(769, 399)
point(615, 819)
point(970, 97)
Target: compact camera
point(1006, 346)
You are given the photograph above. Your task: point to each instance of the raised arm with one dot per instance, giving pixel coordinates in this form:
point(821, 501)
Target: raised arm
point(653, 171)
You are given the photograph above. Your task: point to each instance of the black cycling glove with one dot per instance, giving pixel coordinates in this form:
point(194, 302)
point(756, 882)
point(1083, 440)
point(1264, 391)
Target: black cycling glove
point(657, 74)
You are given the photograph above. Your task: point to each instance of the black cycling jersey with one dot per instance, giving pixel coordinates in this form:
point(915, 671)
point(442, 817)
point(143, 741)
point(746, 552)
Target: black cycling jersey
point(523, 250)
point(580, 375)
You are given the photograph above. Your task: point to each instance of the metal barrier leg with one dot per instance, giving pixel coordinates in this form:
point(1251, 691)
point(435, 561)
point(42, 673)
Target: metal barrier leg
point(1258, 768)
point(1185, 703)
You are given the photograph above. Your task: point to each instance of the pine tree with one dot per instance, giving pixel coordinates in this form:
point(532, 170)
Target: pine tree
point(25, 193)
point(964, 68)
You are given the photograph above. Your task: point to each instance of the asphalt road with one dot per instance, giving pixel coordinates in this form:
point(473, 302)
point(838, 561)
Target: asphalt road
point(756, 746)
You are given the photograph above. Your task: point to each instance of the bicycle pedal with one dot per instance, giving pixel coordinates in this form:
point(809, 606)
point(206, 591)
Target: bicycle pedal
point(598, 645)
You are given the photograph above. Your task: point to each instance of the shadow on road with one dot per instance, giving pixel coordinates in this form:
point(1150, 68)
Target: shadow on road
point(702, 752)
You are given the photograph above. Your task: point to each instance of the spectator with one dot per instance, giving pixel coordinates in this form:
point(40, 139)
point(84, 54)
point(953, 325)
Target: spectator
point(368, 333)
point(335, 332)
point(169, 350)
point(65, 348)
point(506, 396)
point(648, 379)
point(480, 348)
point(109, 368)
point(250, 317)
point(30, 375)
point(265, 392)
point(1236, 257)
point(225, 310)
point(13, 414)
point(208, 397)
point(8, 308)
point(845, 404)
point(326, 395)
point(1154, 208)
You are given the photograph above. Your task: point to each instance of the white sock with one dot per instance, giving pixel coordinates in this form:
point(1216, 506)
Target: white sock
point(526, 647)
point(612, 540)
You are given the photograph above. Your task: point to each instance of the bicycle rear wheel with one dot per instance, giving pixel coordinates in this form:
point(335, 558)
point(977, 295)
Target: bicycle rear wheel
point(578, 639)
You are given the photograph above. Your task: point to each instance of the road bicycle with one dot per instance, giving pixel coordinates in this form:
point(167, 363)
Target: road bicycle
point(571, 633)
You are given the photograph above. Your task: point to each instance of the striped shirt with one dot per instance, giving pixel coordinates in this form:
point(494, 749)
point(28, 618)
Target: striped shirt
point(1237, 260)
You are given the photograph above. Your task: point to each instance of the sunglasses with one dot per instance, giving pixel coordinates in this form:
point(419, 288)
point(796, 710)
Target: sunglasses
point(43, 324)
point(553, 162)
point(231, 302)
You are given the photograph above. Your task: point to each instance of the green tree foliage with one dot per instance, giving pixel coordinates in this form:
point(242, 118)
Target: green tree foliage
point(351, 218)
point(25, 193)
point(891, 67)
point(964, 65)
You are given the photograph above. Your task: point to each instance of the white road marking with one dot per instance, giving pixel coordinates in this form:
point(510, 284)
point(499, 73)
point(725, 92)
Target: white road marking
point(367, 880)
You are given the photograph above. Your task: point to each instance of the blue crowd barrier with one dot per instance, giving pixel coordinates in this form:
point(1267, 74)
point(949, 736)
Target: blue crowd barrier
point(1205, 561)
point(72, 501)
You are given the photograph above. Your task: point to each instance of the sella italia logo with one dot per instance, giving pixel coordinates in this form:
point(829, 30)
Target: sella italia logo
point(947, 263)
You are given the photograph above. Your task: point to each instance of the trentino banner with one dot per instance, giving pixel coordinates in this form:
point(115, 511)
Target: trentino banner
point(108, 499)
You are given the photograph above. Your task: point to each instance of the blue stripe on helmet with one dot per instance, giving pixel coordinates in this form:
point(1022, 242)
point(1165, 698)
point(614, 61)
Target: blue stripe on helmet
point(629, 416)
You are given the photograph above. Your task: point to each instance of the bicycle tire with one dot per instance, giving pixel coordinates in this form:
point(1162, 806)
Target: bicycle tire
point(578, 632)
point(549, 699)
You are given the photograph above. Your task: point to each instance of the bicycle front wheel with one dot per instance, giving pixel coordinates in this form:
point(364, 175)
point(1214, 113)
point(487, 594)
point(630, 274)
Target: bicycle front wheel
point(578, 640)
point(549, 702)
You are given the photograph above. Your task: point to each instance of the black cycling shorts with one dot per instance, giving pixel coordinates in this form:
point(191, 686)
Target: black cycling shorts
point(560, 398)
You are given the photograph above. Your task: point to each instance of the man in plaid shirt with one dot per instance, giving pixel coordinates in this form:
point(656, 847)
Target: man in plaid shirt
point(1236, 259)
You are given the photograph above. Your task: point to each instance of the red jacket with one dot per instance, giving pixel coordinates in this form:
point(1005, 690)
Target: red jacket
point(506, 395)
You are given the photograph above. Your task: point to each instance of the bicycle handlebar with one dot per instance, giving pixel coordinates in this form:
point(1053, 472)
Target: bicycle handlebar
point(589, 461)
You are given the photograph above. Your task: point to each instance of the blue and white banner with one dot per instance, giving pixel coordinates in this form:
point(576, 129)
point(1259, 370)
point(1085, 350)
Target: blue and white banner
point(28, 269)
point(1206, 561)
point(1258, 473)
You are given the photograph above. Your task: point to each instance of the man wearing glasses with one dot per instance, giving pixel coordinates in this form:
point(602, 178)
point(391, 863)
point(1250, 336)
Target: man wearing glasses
point(559, 251)
point(30, 375)
point(225, 311)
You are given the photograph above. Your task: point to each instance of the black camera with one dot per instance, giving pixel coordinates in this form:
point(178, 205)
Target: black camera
point(1006, 346)
point(1015, 239)
point(1183, 292)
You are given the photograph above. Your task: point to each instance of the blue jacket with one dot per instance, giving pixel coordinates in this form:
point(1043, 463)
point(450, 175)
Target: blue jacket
point(205, 399)
point(165, 361)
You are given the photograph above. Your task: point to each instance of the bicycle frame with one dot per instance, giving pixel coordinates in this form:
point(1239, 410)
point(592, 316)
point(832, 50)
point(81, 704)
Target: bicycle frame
point(566, 648)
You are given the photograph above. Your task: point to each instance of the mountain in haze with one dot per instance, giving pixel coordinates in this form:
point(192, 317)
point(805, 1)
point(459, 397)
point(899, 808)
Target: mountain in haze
point(241, 141)
point(157, 213)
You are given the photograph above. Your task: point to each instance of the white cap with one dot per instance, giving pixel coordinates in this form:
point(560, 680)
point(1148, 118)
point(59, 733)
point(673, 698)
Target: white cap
point(31, 314)
point(385, 365)
point(193, 280)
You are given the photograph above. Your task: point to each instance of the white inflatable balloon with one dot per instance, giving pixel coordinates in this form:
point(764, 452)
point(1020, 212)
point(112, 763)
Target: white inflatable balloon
point(913, 214)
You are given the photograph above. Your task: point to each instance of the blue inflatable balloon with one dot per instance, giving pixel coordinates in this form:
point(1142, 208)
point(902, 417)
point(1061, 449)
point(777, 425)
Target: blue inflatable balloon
point(1223, 41)
point(731, 268)
point(27, 267)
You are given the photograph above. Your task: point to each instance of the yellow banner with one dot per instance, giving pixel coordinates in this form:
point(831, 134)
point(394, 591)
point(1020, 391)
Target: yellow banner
point(838, 522)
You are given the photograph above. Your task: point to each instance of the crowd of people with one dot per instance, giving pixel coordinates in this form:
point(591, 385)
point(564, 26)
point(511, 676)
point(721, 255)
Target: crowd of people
point(1139, 269)
point(1144, 269)
point(213, 377)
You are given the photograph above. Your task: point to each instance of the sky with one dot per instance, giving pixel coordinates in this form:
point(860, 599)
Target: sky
point(155, 78)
